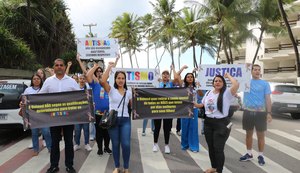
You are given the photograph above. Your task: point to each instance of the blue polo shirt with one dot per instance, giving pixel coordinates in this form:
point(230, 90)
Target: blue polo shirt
point(101, 98)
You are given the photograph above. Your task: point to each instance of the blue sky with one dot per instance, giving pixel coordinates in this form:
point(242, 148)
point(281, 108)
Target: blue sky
point(103, 12)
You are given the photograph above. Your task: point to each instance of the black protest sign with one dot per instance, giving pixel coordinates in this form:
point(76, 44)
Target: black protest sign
point(158, 103)
point(56, 109)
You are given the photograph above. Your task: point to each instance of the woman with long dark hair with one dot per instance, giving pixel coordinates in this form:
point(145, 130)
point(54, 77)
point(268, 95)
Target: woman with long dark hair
point(119, 98)
point(217, 125)
point(35, 86)
point(189, 126)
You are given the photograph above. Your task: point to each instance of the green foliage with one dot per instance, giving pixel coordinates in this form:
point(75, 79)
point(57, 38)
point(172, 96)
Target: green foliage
point(15, 53)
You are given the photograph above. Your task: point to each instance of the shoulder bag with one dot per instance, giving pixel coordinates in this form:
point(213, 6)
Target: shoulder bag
point(109, 118)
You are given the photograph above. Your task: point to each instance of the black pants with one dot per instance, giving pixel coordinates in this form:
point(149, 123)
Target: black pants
point(167, 128)
point(216, 135)
point(178, 125)
point(101, 134)
point(55, 151)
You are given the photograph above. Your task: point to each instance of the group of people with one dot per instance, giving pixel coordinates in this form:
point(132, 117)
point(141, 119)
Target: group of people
point(215, 102)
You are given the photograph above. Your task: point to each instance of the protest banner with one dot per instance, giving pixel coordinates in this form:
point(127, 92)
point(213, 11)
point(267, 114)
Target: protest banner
point(158, 103)
point(97, 48)
point(241, 72)
point(141, 78)
point(56, 109)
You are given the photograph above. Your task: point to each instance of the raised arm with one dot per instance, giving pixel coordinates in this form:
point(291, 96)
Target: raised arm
point(90, 73)
point(235, 85)
point(117, 59)
point(82, 67)
point(105, 76)
point(69, 64)
point(177, 75)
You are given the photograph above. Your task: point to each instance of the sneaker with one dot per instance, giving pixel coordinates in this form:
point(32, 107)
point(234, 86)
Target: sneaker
point(167, 149)
point(30, 146)
point(76, 147)
point(155, 148)
point(246, 157)
point(261, 160)
point(108, 151)
point(178, 133)
point(100, 152)
point(92, 139)
point(143, 134)
point(44, 143)
point(70, 170)
point(88, 147)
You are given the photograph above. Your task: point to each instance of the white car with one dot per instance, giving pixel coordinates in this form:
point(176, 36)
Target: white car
point(10, 95)
point(286, 99)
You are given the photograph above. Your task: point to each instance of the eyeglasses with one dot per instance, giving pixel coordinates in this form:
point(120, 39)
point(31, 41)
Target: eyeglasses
point(56, 65)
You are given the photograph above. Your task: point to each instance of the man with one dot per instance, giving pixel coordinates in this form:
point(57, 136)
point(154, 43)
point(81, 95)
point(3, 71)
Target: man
point(101, 101)
point(60, 82)
point(257, 112)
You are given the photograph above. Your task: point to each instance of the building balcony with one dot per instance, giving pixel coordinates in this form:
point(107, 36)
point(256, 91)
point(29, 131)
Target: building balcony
point(279, 69)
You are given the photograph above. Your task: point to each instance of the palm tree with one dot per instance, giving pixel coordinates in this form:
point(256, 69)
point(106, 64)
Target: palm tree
point(267, 12)
point(164, 20)
point(146, 23)
point(285, 19)
point(232, 18)
point(196, 31)
point(126, 29)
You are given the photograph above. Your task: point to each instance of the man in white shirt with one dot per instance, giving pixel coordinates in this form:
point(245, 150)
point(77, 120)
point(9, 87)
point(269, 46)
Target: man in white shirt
point(60, 82)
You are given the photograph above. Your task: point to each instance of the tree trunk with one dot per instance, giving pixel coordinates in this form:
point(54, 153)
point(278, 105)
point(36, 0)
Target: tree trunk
point(172, 55)
point(194, 57)
point(136, 61)
point(229, 47)
point(156, 57)
point(121, 56)
point(258, 46)
point(284, 17)
point(219, 49)
point(224, 46)
point(148, 50)
point(200, 59)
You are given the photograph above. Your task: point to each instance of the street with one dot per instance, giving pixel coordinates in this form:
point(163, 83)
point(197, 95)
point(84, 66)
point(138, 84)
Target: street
point(282, 152)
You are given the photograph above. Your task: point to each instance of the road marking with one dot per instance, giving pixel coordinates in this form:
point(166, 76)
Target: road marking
point(278, 146)
point(38, 162)
point(202, 157)
point(285, 135)
point(94, 163)
point(14, 150)
point(270, 165)
point(152, 162)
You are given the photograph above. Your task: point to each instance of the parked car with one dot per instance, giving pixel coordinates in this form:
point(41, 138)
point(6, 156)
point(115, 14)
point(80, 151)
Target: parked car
point(286, 99)
point(10, 95)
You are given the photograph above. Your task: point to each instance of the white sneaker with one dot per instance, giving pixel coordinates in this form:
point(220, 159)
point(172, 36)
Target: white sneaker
point(167, 149)
point(76, 147)
point(44, 143)
point(178, 133)
point(30, 146)
point(88, 147)
point(155, 148)
point(143, 134)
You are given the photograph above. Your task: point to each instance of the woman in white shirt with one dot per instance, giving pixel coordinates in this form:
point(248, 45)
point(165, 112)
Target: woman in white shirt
point(121, 132)
point(217, 124)
point(35, 86)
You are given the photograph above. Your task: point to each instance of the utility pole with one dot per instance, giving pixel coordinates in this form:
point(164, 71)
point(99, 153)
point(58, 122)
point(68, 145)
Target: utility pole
point(90, 27)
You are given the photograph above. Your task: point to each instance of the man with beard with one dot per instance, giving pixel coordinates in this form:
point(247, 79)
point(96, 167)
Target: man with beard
point(60, 82)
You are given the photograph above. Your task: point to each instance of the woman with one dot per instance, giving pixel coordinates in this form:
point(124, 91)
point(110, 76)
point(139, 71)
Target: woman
point(217, 124)
point(189, 126)
point(121, 132)
point(84, 126)
point(35, 86)
point(41, 73)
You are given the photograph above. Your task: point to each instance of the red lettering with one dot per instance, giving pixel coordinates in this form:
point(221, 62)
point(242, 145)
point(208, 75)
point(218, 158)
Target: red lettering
point(137, 75)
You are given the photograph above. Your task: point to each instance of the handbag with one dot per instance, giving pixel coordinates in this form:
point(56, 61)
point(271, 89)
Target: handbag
point(201, 113)
point(109, 118)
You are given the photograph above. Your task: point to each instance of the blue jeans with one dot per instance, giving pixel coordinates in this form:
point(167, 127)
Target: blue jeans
point(35, 138)
point(86, 132)
point(120, 135)
point(145, 122)
point(92, 131)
